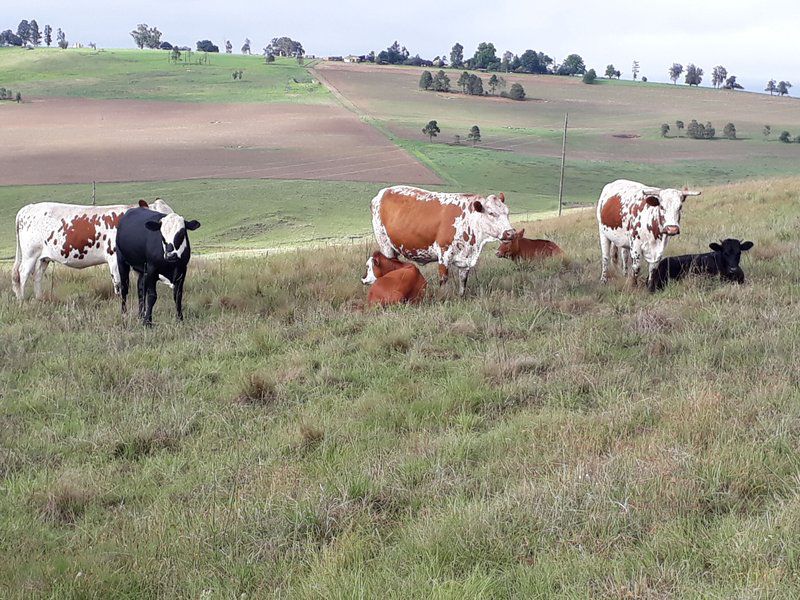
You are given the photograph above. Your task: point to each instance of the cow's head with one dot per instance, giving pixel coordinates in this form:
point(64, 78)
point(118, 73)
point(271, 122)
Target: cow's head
point(159, 205)
point(670, 201)
point(174, 239)
point(378, 265)
point(510, 248)
point(730, 251)
point(491, 217)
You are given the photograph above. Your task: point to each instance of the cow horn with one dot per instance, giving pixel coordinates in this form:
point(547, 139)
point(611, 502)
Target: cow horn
point(651, 191)
point(690, 193)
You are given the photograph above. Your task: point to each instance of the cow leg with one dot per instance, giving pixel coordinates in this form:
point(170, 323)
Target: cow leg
point(625, 260)
point(442, 274)
point(463, 275)
point(652, 267)
point(150, 279)
point(26, 267)
point(177, 294)
point(113, 267)
point(124, 270)
point(38, 273)
point(636, 262)
point(605, 250)
point(141, 292)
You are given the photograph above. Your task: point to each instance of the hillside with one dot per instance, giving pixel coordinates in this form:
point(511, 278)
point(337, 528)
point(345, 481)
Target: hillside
point(544, 436)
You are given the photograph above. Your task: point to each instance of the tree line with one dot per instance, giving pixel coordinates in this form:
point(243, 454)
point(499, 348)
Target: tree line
point(28, 32)
point(470, 84)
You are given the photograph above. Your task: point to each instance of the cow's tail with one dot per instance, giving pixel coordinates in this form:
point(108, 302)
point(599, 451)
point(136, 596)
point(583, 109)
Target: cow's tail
point(15, 278)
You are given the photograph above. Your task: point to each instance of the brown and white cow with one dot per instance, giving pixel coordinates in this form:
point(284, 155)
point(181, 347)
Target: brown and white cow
point(638, 221)
point(426, 227)
point(395, 282)
point(69, 234)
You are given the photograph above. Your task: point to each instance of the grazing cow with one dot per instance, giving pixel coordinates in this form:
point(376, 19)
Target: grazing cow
point(723, 261)
point(450, 229)
point(393, 282)
point(72, 235)
point(638, 221)
point(154, 245)
point(522, 248)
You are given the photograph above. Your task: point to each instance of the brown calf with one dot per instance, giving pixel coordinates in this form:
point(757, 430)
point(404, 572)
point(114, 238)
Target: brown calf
point(521, 248)
point(395, 282)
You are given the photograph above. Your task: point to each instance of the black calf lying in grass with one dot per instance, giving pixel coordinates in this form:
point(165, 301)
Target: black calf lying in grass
point(723, 261)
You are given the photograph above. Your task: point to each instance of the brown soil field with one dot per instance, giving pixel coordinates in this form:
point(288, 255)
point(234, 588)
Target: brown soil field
point(47, 141)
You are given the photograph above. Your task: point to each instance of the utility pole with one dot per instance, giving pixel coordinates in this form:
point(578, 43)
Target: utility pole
point(563, 156)
point(94, 192)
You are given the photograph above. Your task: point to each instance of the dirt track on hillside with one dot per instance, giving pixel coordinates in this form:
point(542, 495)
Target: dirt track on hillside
point(48, 141)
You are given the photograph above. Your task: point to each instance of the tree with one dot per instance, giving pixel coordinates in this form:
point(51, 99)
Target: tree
point(785, 137)
point(457, 56)
point(710, 131)
point(48, 35)
point(493, 83)
point(228, 47)
point(35, 35)
point(175, 55)
point(475, 86)
point(474, 134)
point(572, 65)
point(206, 46)
point(679, 125)
point(730, 84)
point(611, 72)
point(718, 76)
point(783, 88)
point(441, 82)
point(24, 31)
point(729, 131)
point(533, 62)
point(766, 131)
point(517, 92)
point(426, 80)
point(635, 69)
point(589, 76)
point(145, 36)
point(393, 55)
point(771, 87)
point(18, 97)
point(505, 64)
point(694, 75)
point(463, 81)
point(644, 79)
point(698, 131)
point(9, 38)
point(269, 58)
point(246, 46)
point(431, 130)
point(286, 46)
point(485, 57)
point(62, 39)
point(675, 72)
point(165, 46)
point(664, 129)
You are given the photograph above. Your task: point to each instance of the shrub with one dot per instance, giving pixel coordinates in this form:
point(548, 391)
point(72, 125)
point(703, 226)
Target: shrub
point(785, 137)
point(664, 129)
point(517, 92)
point(729, 131)
point(426, 80)
point(589, 76)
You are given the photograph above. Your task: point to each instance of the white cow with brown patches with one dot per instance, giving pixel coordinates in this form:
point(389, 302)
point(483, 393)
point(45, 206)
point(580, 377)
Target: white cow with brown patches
point(69, 234)
point(426, 227)
point(637, 220)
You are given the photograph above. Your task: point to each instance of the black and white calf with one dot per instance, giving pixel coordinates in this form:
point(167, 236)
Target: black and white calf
point(723, 261)
point(154, 245)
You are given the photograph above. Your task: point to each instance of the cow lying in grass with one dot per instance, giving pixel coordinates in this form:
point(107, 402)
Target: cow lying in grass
point(519, 247)
point(393, 281)
point(154, 245)
point(723, 261)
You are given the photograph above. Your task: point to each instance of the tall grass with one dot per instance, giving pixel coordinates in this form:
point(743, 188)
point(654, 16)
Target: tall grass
point(544, 436)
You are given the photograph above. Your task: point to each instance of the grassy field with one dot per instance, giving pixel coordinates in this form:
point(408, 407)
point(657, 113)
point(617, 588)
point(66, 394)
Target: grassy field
point(544, 436)
point(149, 75)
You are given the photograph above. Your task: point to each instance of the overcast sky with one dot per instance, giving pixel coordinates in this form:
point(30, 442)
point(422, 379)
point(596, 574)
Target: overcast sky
point(754, 40)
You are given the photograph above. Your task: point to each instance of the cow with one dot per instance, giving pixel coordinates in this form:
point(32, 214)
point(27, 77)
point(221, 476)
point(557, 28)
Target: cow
point(393, 281)
point(520, 247)
point(639, 221)
point(723, 261)
point(154, 245)
point(450, 229)
point(69, 234)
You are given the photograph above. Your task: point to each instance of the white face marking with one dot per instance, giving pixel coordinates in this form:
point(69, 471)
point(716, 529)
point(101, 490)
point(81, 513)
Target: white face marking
point(171, 226)
point(370, 278)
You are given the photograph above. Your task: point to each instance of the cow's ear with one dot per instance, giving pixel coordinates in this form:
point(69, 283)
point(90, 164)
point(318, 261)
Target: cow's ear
point(477, 206)
point(715, 247)
point(153, 225)
point(192, 225)
point(652, 201)
point(520, 233)
point(745, 246)
point(502, 197)
point(143, 204)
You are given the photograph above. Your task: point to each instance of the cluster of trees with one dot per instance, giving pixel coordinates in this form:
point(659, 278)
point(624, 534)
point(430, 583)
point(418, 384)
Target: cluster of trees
point(698, 131)
point(784, 136)
point(237, 74)
point(432, 130)
point(207, 46)
point(10, 95)
point(781, 87)
point(284, 46)
point(694, 76)
point(28, 32)
point(470, 84)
